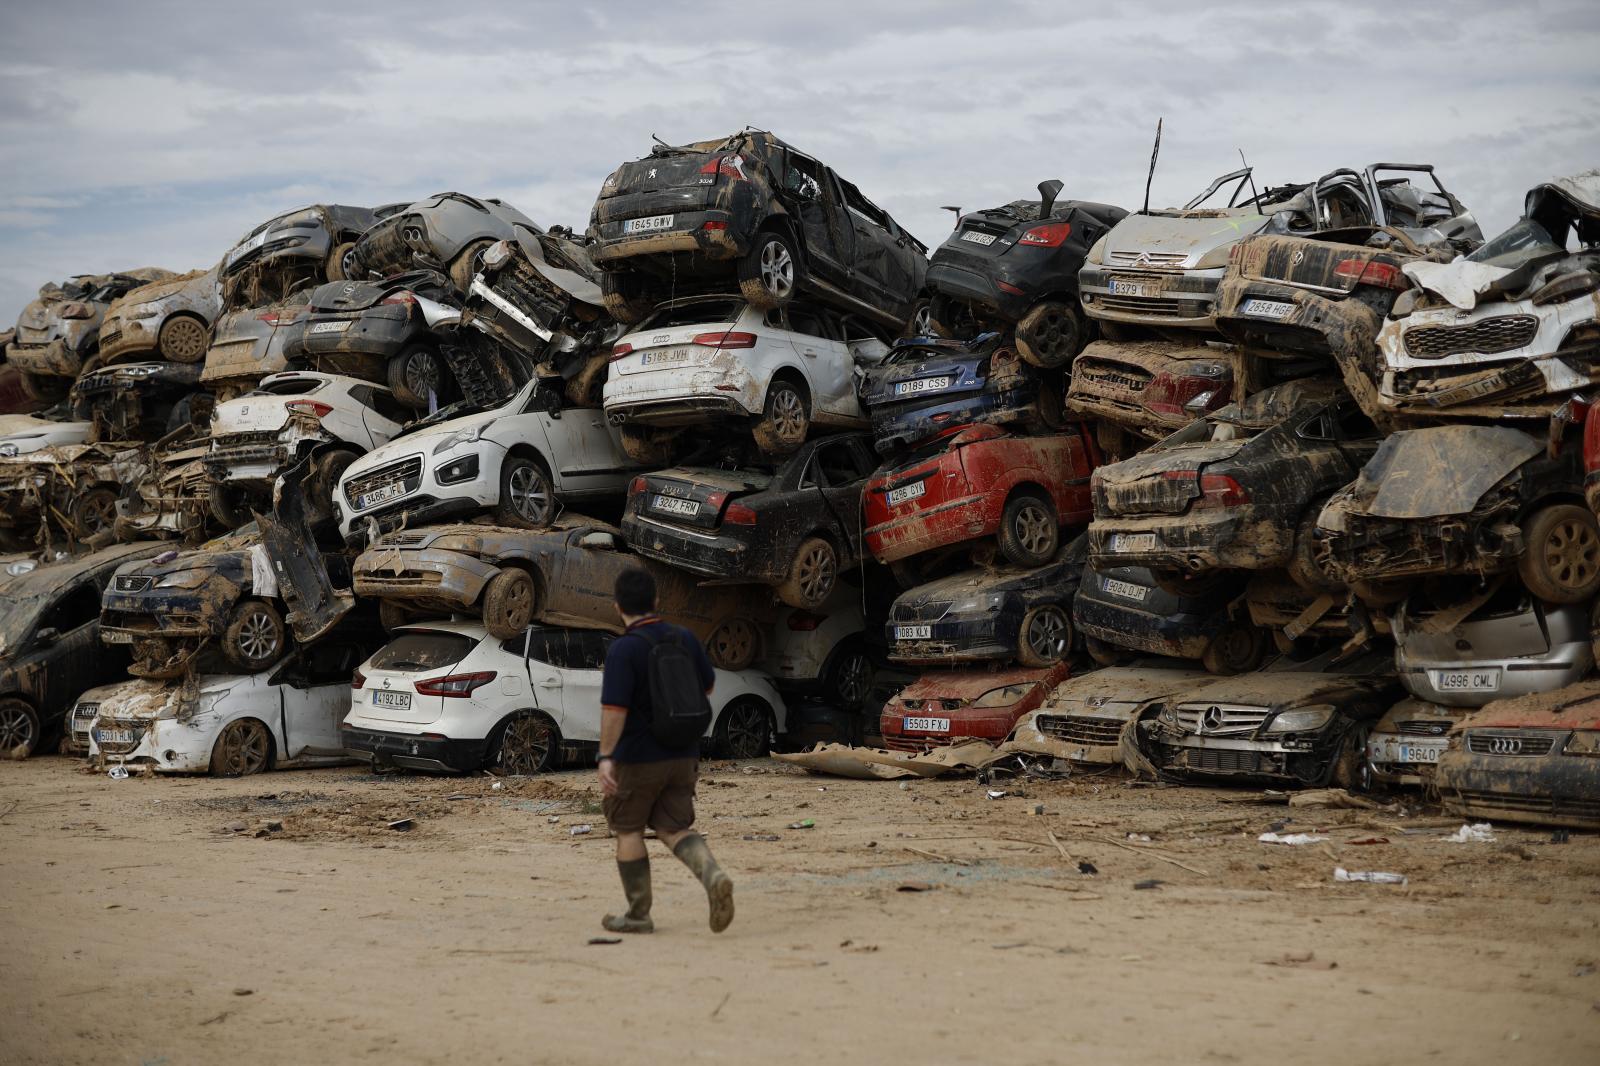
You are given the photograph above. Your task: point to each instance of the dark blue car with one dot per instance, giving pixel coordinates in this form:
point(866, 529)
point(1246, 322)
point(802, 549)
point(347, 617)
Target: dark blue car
point(1123, 607)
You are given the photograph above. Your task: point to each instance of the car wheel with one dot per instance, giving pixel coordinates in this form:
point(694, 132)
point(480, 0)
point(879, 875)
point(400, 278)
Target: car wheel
point(508, 603)
point(1029, 531)
point(19, 729)
point(1045, 636)
point(1304, 569)
point(624, 297)
point(339, 261)
point(227, 505)
point(1561, 561)
point(527, 745)
point(1105, 654)
point(784, 421)
point(43, 388)
point(733, 645)
point(648, 446)
point(1237, 649)
point(744, 730)
point(920, 323)
point(183, 339)
point(769, 274)
point(1050, 406)
point(849, 677)
point(244, 747)
point(1345, 770)
point(391, 616)
point(412, 375)
point(93, 514)
point(527, 495)
point(812, 576)
point(466, 265)
point(1051, 334)
point(254, 638)
point(326, 470)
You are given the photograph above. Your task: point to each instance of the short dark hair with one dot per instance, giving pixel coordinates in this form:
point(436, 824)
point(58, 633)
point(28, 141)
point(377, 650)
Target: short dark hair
point(635, 591)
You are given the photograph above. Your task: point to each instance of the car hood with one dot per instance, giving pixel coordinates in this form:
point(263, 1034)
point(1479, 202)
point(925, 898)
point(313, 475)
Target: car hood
point(1574, 707)
point(1277, 688)
point(197, 559)
point(1119, 686)
point(1182, 457)
point(161, 290)
point(1411, 709)
point(968, 685)
point(1193, 236)
point(1443, 470)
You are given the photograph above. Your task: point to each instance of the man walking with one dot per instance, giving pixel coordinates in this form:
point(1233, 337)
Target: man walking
point(653, 712)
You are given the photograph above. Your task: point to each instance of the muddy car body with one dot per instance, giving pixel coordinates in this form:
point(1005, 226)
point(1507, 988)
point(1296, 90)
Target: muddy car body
point(1125, 607)
point(753, 208)
point(1509, 331)
point(447, 232)
point(171, 499)
point(989, 616)
point(248, 343)
point(560, 576)
point(1231, 492)
point(794, 527)
point(23, 434)
point(59, 332)
point(1405, 744)
point(1302, 723)
point(308, 242)
point(1153, 388)
point(824, 654)
point(68, 491)
point(945, 706)
point(139, 401)
point(926, 384)
point(1465, 500)
point(1083, 721)
point(1017, 266)
point(1535, 759)
point(168, 319)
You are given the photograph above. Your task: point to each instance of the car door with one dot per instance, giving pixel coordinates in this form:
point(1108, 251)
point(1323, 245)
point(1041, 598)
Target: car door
point(381, 414)
point(580, 576)
point(584, 453)
point(874, 267)
point(840, 468)
point(75, 660)
point(314, 687)
point(825, 360)
point(545, 655)
point(586, 660)
point(811, 193)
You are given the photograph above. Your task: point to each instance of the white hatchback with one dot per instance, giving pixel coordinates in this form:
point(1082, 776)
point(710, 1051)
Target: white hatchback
point(21, 434)
point(448, 696)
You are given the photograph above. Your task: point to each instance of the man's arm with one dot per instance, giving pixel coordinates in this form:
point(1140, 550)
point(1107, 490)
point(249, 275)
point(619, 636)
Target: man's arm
point(612, 718)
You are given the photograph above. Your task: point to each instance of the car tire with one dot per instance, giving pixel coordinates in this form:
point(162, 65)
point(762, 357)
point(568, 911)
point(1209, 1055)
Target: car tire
point(1345, 771)
point(1051, 334)
point(1051, 406)
point(527, 494)
point(183, 339)
point(527, 743)
point(743, 730)
point(1030, 532)
point(337, 267)
point(43, 388)
point(1237, 649)
point(326, 470)
point(920, 323)
point(412, 374)
point(785, 419)
point(586, 388)
point(244, 747)
point(1104, 653)
point(848, 679)
point(19, 729)
point(649, 446)
point(254, 638)
point(93, 514)
point(1304, 569)
point(770, 272)
point(624, 297)
point(812, 576)
point(509, 600)
point(1045, 636)
point(227, 505)
point(733, 645)
point(391, 616)
point(1561, 558)
point(464, 267)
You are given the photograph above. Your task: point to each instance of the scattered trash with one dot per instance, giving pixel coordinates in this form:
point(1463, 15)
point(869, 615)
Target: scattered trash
point(403, 825)
point(851, 945)
point(805, 824)
point(997, 793)
point(1038, 808)
point(1293, 839)
point(497, 786)
point(1584, 969)
point(766, 836)
point(244, 991)
point(914, 886)
point(1369, 840)
point(236, 827)
point(905, 786)
point(1308, 961)
point(1372, 876)
point(1479, 833)
point(118, 773)
point(605, 940)
point(1151, 883)
point(1139, 838)
point(1333, 799)
point(457, 796)
point(581, 830)
point(1088, 868)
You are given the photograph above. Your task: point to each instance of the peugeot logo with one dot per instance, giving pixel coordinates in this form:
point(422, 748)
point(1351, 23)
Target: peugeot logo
point(1212, 719)
point(652, 172)
point(1505, 746)
point(1096, 701)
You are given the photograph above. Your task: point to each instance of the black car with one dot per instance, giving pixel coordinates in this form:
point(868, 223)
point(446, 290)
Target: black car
point(1123, 609)
point(989, 615)
point(449, 232)
point(310, 241)
point(140, 401)
point(752, 209)
point(793, 526)
point(1017, 266)
point(377, 331)
point(49, 645)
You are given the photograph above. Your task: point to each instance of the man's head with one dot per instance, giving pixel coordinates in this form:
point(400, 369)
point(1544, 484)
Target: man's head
point(634, 592)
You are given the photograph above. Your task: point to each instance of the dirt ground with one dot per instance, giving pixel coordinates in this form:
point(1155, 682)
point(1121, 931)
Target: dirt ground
point(279, 919)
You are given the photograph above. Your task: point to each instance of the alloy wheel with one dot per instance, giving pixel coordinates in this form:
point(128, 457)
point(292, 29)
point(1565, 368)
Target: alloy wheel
point(1033, 527)
point(733, 642)
point(183, 340)
point(16, 728)
point(258, 637)
point(1572, 553)
point(789, 414)
point(525, 746)
point(530, 495)
point(777, 270)
point(855, 677)
point(815, 569)
point(244, 748)
point(421, 374)
point(744, 729)
point(922, 321)
point(1047, 633)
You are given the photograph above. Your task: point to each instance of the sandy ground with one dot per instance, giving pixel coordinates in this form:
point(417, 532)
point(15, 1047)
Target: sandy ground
point(277, 919)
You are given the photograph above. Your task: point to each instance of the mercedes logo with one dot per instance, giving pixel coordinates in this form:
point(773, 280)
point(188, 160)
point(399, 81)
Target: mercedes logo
point(1212, 719)
point(1505, 746)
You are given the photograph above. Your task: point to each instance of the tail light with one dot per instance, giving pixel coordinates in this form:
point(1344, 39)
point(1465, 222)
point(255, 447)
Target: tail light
point(728, 339)
point(714, 501)
point(358, 680)
point(727, 166)
point(621, 350)
point(1371, 272)
point(314, 408)
point(1047, 236)
point(739, 515)
point(76, 310)
point(637, 485)
point(458, 686)
point(1015, 290)
point(805, 621)
point(1187, 394)
point(714, 226)
point(400, 298)
point(277, 317)
point(1216, 490)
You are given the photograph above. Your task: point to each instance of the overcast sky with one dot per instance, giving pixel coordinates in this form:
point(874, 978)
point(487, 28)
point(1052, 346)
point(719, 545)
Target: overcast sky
point(157, 133)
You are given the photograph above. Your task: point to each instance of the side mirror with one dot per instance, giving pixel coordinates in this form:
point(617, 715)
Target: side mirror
point(1048, 191)
point(46, 637)
point(1567, 287)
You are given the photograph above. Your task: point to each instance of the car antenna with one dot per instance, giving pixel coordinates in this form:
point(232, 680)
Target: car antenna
point(957, 210)
point(1152, 175)
point(1250, 175)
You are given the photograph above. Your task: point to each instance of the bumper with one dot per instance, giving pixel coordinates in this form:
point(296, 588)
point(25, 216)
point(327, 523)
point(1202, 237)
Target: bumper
point(970, 284)
point(681, 399)
point(1391, 764)
point(1223, 540)
point(900, 425)
point(685, 238)
point(954, 522)
point(421, 506)
point(965, 641)
point(1563, 665)
point(365, 335)
point(700, 553)
point(1394, 549)
point(425, 576)
point(120, 338)
point(165, 745)
point(1318, 325)
point(1549, 790)
point(127, 617)
point(992, 728)
point(258, 463)
point(1181, 298)
point(1293, 760)
point(1182, 636)
point(415, 752)
point(49, 360)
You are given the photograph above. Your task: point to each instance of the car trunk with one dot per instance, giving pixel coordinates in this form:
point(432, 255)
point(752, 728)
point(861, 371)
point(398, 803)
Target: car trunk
point(352, 296)
point(670, 344)
point(1306, 262)
point(414, 655)
point(662, 183)
point(1160, 482)
point(1507, 627)
point(697, 499)
point(263, 411)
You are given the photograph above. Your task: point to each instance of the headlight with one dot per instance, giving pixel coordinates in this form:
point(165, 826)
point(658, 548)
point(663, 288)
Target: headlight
point(974, 603)
point(1217, 257)
point(459, 437)
point(183, 579)
point(141, 311)
point(1301, 721)
point(463, 469)
point(7, 450)
point(139, 371)
point(1097, 254)
point(1583, 742)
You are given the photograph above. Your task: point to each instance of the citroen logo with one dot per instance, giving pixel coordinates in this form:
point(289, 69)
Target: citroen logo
point(1142, 259)
point(1505, 746)
point(1212, 719)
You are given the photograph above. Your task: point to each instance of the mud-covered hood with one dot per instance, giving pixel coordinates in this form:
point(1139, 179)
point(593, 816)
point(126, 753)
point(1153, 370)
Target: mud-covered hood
point(1574, 707)
point(224, 563)
point(1192, 236)
point(1157, 462)
point(1444, 470)
point(197, 280)
point(730, 481)
point(963, 686)
point(1275, 689)
point(1119, 687)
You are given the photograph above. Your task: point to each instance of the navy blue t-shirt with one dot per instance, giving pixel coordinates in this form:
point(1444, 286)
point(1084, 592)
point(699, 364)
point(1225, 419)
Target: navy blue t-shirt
point(626, 683)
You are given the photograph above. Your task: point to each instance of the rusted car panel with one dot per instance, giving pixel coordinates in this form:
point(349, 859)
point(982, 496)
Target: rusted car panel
point(1086, 721)
point(1407, 742)
point(170, 500)
point(1155, 387)
point(1534, 759)
point(943, 707)
point(171, 319)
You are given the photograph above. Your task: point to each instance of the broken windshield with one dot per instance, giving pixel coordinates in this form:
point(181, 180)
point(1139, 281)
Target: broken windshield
point(1522, 242)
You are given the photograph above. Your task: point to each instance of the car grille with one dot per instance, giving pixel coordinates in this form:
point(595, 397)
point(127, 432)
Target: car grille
point(1502, 334)
point(1078, 729)
point(1569, 806)
point(1243, 762)
point(404, 540)
point(1160, 306)
point(131, 583)
point(108, 339)
point(1214, 719)
point(1111, 375)
point(1525, 745)
point(916, 743)
point(243, 440)
point(1148, 258)
point(1423, 727)
point(407, 472)
point(931, 611)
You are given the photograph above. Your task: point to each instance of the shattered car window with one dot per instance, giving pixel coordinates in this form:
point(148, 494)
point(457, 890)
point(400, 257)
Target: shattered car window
point(1524, 241)
point(694, 313)
point(423, 650)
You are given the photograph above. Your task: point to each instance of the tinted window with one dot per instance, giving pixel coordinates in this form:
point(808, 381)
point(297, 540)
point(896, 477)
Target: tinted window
point(566, 649)
point(809, 322)
point(290, 387)
point(423, 650)
point(694, 313)
point(841, 463)
point(381, 401)
point(1354, 424)
point(331, 662)
point(78, 607)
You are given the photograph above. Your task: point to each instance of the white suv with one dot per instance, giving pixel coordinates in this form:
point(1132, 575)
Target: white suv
point(699, 360)
point(448, 696)
point(516, 460)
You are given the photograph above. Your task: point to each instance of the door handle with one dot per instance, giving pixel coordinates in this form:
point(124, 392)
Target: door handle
point(810, 352)
point(550, 682)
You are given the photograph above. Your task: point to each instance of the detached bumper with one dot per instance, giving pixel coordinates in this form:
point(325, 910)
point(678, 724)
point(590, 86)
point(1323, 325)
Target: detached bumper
point(49, 360)
point(415, 752)
point(1182, 636)
point(701, 553)
point(423, 576)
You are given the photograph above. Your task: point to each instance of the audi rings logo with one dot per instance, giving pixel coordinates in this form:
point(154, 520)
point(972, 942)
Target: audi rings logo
point(1505, 746)
point(1212, 719)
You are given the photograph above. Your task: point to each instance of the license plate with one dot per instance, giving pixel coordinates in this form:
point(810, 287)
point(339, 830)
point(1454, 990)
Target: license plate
point(975, 237)
point(912, 632)
point(115, 736)
point(672, 355)
point(113, 636)
point(1467, 680)
point(383, 495)
point(646, 225)
point(1421, 752)
point(929, 725)
point(1133, 542)
point(1267, 308)
point(248, 246)
point(1126, 589)
point(330, 327)
point(907, 388)
point(673, 505)
point(1134, 288)
point(907, 492)
point(392, 701)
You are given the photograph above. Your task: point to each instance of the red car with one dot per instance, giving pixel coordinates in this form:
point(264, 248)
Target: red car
point(945, 706)
point(983, 481)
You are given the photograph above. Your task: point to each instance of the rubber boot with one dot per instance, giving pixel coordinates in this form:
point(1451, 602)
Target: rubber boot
point(635, 875)
point(694, 854)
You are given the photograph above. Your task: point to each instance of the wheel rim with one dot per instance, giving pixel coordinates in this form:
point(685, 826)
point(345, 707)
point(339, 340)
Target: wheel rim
point(258, 636)
point(1054, 336)
point(184, 340)
point(525, 747)
point(1034, 529)
point(516, 606)
point(244, 748)
point(421, 374)
point(855, 677)
point(922, 321)
point(777, 270)
point(1572, 553)
point(745, 730)
point(1234, 646)
point(734, 642)
point(1047, 633)
point(98, 513)
point(16, 729)
point(789, 414)
point(347, 263)
point(815, 570)
point(530, 495)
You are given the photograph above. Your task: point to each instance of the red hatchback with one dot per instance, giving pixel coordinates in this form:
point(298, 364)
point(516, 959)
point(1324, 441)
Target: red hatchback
point(945, 706)
point(983, 481)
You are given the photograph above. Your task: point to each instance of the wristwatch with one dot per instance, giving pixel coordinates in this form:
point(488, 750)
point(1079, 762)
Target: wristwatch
point(605, 758)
